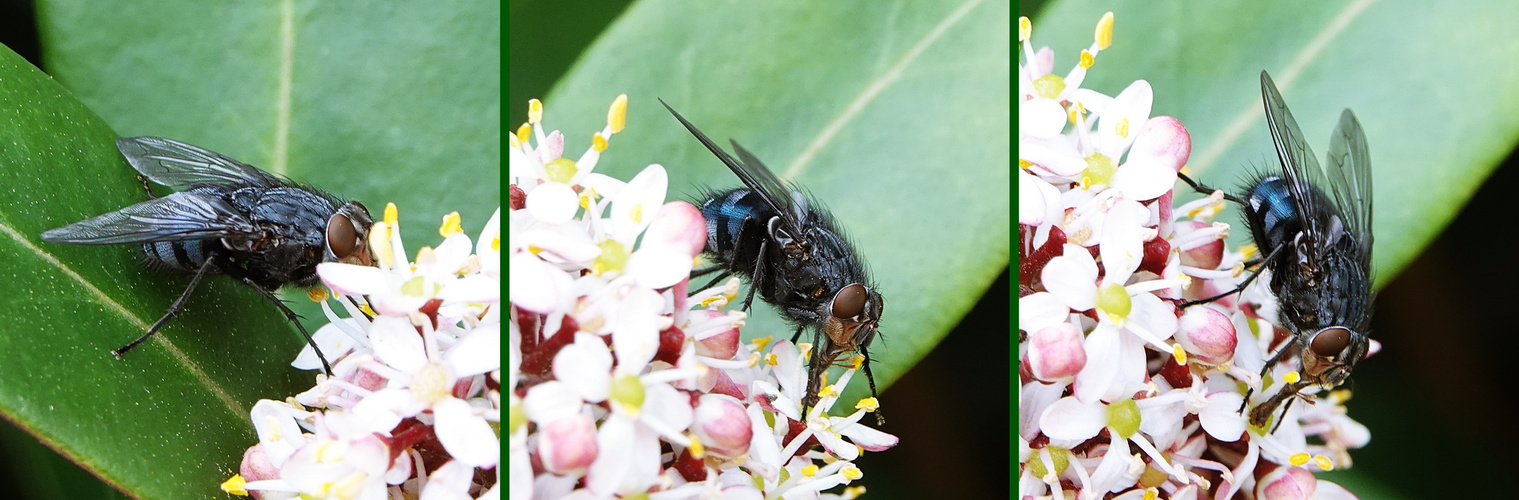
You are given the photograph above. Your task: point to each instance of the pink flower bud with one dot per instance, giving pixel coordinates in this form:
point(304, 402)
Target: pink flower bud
point(722, 425)
point(1207, 335)
point(1287, 483)
point(1055, 352)
point(1163, 140)
point(256, 465)
point(680, 226)
point(568, 444)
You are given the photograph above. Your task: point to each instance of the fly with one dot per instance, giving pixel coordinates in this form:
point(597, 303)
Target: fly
point(796, 257)
point(228, 218)
point(1314, 226)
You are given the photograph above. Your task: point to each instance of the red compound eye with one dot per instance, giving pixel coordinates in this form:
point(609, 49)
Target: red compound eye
point(849, 301)
point(1330, 342)
point(341, 238)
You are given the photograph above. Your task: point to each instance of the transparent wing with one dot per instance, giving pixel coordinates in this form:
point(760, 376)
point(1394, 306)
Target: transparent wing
point(1299, 167)
point(1349, 169)
point(179, 165)
point(186, 215)
point(754, 174)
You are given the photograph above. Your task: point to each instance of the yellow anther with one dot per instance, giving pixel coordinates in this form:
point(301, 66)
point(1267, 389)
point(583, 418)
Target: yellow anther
point(852, 473)
point(1104, 34)
point(1298, 460)
point(534, 111)
point(636, 214)
point(868, 404)
point(1122, 128)
point(617, 117)
point(1323, 462)
point(317, 294)
point(598, 142)
point(760, 343)
point(391, 214)
point(1024, 164)
point(810, 470)
point(379, 243)
point(697, 450)
point(235, 485)
point(1151, 493)
point(1087, 59)
point(451, 223)
point(771, 359)
point(1025, 28)
point(1291, 377)
point(523, 134)
point(856, 361)
point(1179, 354)
point(514, 141)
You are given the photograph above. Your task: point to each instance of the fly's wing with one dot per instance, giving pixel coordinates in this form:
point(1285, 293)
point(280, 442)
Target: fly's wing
point(179, 165)
point(1299, 167)
point(186, 215)
point(754, 174)
point(1349, 168)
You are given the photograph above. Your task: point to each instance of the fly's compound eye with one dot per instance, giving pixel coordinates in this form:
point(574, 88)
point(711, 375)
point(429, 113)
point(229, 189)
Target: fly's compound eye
point(1330, 342)
point(849, 301)
point(341, 238)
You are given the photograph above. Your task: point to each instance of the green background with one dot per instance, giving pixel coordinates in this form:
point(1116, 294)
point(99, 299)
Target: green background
point(375, 101)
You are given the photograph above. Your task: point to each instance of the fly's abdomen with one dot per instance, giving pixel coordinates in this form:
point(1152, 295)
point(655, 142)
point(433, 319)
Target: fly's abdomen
point(175, 256)
point(726, 214)
point(1273, 216)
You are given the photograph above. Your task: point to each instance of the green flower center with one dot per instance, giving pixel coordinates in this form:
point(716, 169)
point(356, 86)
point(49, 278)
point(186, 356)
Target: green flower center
point(1123, 418)
point(1099, 170)
point(1049, 86)
point(560, 170)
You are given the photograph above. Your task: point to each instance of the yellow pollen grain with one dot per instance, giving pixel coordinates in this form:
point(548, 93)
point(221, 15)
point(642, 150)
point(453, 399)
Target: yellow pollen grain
point(1122, 128)
point(451, 225)
point(1298, 460)
point(617, 116)
point(392, 214)
point(598, 142)
point(235, 485)
point(697, 450)
point(1291, 377)
point(1104, 33)
point(317, 294)
point(534, 111)
point(1324, 463)
point(1025, 28)
point(1179, 354)
point(1087, 59)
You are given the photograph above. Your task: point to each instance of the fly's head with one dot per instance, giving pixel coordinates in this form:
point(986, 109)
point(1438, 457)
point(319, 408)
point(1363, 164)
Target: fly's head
point(852, 317)
point(1331, 353)
point(348, 235)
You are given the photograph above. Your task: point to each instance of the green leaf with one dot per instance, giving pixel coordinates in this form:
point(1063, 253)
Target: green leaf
point(1438, 111)
point(372, 100)
point(897, 118)
point(170, 421)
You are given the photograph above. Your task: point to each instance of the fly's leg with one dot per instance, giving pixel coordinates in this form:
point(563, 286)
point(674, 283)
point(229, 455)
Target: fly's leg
point(179, 305)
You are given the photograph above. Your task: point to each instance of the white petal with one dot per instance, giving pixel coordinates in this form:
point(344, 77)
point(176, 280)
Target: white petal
point(1072, 420)
point(553, 202)
point(277, 430)
point(476, 353)
point(1101, 371)
point(333, 342)
point(635, 206)
point(348, 279)
point(449, 482)
point(1144, 180)
point(1221, 418)
point(1121, 123)
point(537, 286)
point(658, 267)
point(1123, 240)
point(1037, 200)
point(465, 434)
point(1040, 118)
point(1073, 278)
point(397, 343)
point(550, 401)
point(585, 366)
point(1056, 156)
point(1039, 310)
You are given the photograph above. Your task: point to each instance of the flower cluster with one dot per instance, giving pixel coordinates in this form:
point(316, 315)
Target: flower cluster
point(1122, 390)
point(413, 406)
point(623, 382)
